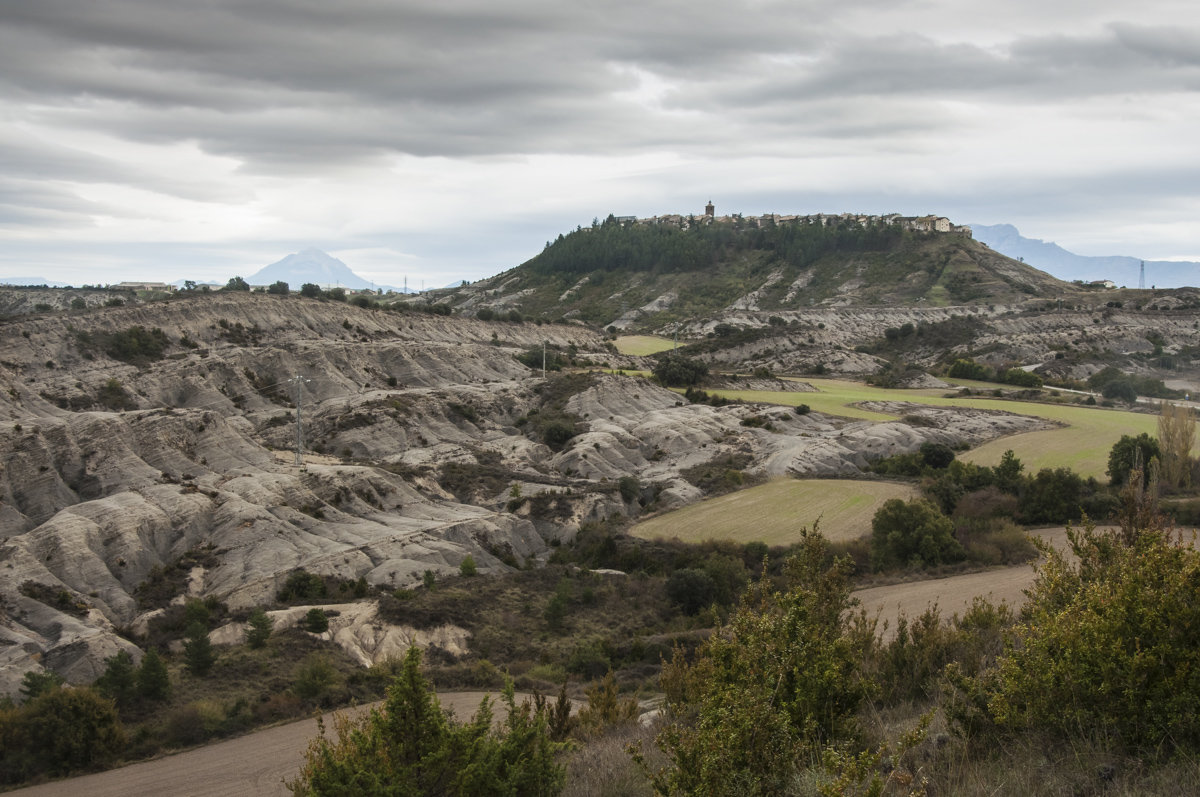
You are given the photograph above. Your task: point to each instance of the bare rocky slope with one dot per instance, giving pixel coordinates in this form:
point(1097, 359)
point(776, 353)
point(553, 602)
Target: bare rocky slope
point(426, 443)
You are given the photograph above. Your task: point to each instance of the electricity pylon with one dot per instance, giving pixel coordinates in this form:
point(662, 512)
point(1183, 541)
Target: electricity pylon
point(299, 382)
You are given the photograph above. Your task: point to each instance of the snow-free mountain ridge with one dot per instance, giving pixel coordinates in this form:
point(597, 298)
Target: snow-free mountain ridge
point(1053, 259)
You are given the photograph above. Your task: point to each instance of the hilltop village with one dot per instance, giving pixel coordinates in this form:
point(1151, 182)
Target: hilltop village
point(915, 223)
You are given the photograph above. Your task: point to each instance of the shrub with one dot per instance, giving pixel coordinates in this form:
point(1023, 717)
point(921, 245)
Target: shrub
point(316, 621)
point(692, 589)
point(1111, 642)
point(236, 284)
point(279, 288)
point(766, 691)
point(485, 314)
point(315, 676)
point(302, 586)
point(913, 533)
point(310, 290)
point(410, 746)
point(68, 730)
point(467, 567)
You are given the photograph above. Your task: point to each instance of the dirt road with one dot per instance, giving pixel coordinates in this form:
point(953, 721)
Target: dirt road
point(255, 764)
point(953, 595)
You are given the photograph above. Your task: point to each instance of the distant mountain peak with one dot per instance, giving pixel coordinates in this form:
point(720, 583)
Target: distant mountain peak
point(309, 265)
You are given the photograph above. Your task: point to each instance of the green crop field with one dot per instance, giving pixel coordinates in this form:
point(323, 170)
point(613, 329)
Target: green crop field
point(642, 345)
point(1082, 443)
point(775, 512)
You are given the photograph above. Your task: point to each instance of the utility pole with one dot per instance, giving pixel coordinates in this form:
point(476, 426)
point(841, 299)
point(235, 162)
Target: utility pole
point(299, 382)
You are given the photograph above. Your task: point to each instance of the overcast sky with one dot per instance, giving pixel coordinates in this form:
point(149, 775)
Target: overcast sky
point(440, 140)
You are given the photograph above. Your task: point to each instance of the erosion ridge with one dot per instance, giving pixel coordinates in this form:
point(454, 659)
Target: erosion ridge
point(426, 426)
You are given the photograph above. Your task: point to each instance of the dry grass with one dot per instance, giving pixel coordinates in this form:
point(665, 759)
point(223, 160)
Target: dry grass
point(775, 512)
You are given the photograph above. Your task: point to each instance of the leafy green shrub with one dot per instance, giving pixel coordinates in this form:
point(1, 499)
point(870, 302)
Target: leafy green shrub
point(913, 533)
point(969, 369)
point(316, 621)
point(764, 693)
point(62, 730)
point(1111, 642)
point(302, 586)
point(314, 676)
point(467, 566)
point(411, 747)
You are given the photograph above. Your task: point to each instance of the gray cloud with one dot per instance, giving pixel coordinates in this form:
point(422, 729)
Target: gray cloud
point(327, 91)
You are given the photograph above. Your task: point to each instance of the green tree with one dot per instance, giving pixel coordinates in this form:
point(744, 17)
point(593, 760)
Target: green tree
point(912, 533)
point(310, 290)
point(467, 567)
point(766, 691)
point(198, 653)
point(675, 370)
point(34, 683)
point(236, 284)
point(279, 288)
point(936, 455)
point(118, 682)
point(153, 680)
point(1131, 452)
point(411, 747)
point(259, 628)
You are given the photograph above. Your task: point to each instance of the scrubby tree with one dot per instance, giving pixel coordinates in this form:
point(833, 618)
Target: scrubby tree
point(198, 653)
point(153, 680)
point(34, 683)
point(410, 746)
point(1131, 452)
point(279, 288)
point(912, 533)
point(259, 628)
point(691, 589)
point(936, 455)
point(766, 691)
point(310, 290)
point(118, 682)
point(236, 284)
point(316, 621)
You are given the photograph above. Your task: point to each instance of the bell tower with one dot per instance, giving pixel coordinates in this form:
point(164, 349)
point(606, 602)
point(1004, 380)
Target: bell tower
point(709, 210)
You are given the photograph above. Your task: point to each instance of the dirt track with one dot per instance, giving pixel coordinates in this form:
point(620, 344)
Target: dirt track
point(954, 594)
point(257, 764)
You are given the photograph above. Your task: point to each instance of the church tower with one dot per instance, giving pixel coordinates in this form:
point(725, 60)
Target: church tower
point(709, 210)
